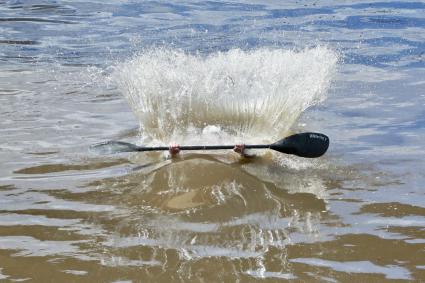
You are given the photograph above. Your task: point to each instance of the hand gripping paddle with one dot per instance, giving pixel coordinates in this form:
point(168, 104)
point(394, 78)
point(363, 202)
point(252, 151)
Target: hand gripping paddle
point(309, 145)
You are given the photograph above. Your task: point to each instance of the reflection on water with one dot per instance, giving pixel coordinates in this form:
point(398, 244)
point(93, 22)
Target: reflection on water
point(181, 213)
point(200, 216)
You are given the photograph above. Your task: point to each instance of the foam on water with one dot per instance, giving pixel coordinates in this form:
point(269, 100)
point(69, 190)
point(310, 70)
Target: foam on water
point(254, 96)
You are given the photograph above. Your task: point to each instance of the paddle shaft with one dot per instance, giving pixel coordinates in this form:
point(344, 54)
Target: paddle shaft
point(201, 147)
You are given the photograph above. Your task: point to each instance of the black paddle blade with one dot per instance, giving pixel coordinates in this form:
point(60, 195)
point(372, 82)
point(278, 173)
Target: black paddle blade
point(111, 147)
point(308, 145)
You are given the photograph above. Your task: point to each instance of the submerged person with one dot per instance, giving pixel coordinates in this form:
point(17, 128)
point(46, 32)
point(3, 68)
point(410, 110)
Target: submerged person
point(174, 150)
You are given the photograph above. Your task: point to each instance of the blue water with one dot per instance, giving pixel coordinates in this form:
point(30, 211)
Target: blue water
point(65, 74)
point(79, 32)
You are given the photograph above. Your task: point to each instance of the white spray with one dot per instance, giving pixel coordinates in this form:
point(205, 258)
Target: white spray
point(250, 96)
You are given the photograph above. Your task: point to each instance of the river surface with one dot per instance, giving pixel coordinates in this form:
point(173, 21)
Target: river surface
point(77, 73)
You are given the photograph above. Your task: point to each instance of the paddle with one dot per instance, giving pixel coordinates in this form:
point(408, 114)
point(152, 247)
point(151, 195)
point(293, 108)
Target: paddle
point(308, 145)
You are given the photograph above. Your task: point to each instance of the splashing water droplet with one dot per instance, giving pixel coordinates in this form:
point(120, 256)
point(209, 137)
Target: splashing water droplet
point(253, 96)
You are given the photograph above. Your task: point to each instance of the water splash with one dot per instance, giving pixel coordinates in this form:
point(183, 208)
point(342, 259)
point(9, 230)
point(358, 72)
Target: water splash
point(254, 96)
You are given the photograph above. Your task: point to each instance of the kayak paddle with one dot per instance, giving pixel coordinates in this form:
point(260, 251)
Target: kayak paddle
point(309, 145)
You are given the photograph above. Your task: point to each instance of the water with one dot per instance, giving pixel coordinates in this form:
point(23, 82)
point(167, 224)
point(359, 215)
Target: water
point(73, 74)
point(254, 95)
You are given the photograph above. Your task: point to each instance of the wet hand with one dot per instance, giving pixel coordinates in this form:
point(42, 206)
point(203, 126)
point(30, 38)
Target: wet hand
point(174, 149)
point(240, 148)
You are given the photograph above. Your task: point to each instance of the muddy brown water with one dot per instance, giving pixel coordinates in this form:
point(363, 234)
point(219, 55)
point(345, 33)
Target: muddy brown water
point(69, 214)
point(202, 217)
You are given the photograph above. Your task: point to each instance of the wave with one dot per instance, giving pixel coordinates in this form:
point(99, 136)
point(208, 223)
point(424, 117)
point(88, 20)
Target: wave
point(233, 96)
